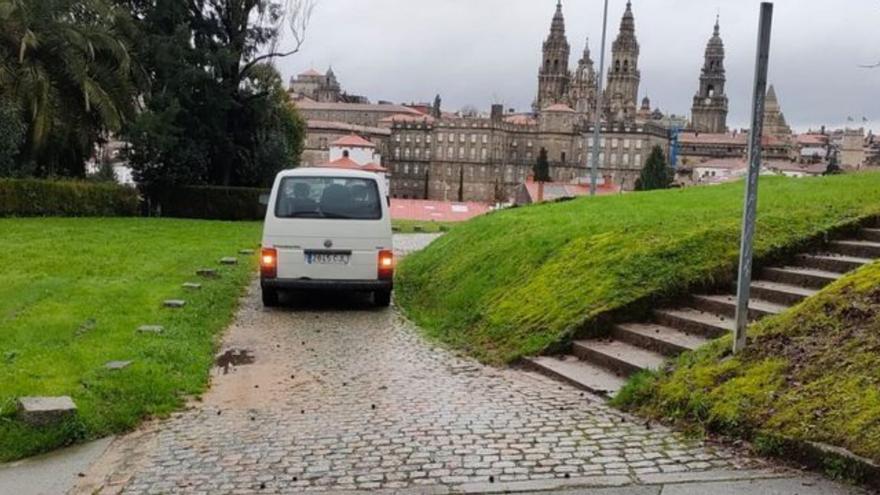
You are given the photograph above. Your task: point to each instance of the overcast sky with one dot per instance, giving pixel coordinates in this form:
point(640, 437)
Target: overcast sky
point(478, 52)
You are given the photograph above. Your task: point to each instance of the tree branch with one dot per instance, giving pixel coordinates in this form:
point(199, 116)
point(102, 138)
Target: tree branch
point(298, 14)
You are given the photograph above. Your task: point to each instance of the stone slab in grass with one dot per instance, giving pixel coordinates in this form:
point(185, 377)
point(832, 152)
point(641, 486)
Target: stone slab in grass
point(192, 286)
point(246, 252)
point(207, 273)
point(117, 365)
point(45, 411)
point(174, 303)
point(229, 260)
point(151, 329)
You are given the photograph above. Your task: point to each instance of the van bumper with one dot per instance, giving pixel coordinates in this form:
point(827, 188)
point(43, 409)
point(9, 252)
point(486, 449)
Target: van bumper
point(328, 285)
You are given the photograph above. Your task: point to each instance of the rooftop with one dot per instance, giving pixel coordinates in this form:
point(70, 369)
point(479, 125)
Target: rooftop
point(438, 211)
point(353, 141)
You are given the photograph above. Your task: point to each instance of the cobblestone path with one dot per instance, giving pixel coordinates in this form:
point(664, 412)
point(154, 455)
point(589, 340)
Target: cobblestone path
point(343, 396)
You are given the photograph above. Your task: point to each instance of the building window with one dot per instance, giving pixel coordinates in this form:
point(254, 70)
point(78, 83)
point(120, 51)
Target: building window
point(614, 142)
point(397, 153)
point(562, 157)
point(638, 144)
point(408, 138)
point(613, 159)
point(440, 137)
point(638, 160)
point(450, 153)
point(428, 154)
point(626, 143)
point(485, 139)
point(473, 154)
point(419, 139)
point(529, 143)
point(626, 159)
point(418, 153)
point(462, 138)
point(484, 154)
point(416, 169)
point(461, 151)
point(397, 137)
point(428, 139)
point(406, 169)
point(473, 139)
point(406, 153)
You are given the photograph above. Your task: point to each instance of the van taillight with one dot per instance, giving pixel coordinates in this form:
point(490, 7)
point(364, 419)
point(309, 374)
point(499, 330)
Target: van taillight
point(386, 265)
point(269, 263)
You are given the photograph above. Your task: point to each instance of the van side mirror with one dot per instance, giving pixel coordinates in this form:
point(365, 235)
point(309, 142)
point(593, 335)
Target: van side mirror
point(264, 199)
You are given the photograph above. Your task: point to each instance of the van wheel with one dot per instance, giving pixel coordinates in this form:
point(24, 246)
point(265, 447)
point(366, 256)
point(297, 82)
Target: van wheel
point(270, 298)
point(382, 298)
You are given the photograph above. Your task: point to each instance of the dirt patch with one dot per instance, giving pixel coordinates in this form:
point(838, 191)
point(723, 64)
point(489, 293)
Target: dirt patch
point(233, 357)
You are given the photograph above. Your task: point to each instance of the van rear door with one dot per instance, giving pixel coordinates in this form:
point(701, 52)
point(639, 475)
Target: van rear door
point(328, 228)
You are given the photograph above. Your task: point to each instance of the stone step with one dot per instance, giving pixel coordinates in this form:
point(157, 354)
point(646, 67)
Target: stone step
point(831, 262)
point(583, 375)
point(804, 277)
point(725, 305)
point(872, 235)
point(778, 293)
point(659, 338)
point(694, 321)
point(619, 357)
point(862, 249)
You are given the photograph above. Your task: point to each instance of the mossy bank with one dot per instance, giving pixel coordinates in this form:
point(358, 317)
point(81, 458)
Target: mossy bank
point(517, 282)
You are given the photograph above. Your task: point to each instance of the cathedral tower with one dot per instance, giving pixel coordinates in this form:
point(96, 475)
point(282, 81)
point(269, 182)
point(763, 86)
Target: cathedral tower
point(621, 96)
point(553, 77)
point(583, 87)
point(709, 113)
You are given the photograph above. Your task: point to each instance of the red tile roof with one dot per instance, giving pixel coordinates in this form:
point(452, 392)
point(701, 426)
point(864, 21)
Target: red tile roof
point(353, 141)
point(520, 119)
point(311, 72)
point(559, 107)
point(348, 163)
point(559, 190)
point(439, 211)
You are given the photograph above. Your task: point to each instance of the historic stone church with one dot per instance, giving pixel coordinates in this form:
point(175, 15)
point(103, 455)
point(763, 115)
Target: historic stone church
point(578, 90)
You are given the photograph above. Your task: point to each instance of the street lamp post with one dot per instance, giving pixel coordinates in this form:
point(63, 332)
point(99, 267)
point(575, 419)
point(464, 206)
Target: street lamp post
point(597, 121)
point(743, 290)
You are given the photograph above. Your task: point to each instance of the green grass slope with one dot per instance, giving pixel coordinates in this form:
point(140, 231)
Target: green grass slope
point(73, 293)
point(811, 374)
point(513, 283)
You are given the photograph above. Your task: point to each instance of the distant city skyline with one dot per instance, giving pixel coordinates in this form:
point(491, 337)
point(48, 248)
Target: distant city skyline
point(479, 52)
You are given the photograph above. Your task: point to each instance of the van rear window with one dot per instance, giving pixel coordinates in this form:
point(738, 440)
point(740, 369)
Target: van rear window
point(328, 197)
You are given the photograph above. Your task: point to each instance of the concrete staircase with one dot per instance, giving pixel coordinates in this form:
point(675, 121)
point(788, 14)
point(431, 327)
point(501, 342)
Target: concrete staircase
point(602, 365)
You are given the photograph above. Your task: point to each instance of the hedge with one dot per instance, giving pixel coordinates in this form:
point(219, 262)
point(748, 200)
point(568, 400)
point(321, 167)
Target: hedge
point(66, 198)
point(210, 203)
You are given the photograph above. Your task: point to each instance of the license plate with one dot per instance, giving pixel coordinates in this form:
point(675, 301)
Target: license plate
point(327, 258)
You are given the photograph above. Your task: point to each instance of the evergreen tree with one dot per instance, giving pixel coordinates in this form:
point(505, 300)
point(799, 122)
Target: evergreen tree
point(541, 169)
point(656, 173)
point(216, 111)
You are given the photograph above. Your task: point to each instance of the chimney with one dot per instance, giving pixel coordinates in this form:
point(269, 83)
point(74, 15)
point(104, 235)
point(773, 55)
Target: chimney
point(497, 112)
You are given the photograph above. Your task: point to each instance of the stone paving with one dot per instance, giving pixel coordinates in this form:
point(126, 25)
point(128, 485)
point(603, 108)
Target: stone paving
point(342, 396)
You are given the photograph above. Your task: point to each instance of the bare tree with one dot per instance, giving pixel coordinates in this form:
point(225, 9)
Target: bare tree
point(296, 14)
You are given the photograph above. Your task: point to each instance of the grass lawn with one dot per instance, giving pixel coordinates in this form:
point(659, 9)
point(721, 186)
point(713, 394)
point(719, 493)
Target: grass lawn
point(410, 226)
point(515, 282)
point(811, 374)
point(74, 292)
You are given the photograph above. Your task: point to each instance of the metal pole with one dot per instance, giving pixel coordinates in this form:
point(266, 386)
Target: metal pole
point(743, 290)
point(594, 168)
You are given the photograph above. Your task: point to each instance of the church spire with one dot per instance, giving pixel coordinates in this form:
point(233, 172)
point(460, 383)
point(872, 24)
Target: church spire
point(557, 27)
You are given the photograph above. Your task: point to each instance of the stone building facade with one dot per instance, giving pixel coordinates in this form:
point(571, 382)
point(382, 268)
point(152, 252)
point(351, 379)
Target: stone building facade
point(486, 158)
point(709, 112)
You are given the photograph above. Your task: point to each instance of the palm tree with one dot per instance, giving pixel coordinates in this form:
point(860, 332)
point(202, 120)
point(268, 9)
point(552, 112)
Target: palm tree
point(67, 69)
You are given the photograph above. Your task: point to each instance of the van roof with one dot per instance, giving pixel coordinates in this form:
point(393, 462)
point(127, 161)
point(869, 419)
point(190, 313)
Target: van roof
point(326, 172)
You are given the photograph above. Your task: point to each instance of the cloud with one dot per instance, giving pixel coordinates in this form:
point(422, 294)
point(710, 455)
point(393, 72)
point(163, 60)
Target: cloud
point(479, 52)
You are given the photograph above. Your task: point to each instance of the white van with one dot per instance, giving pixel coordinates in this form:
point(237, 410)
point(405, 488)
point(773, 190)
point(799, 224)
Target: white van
point(327, 229)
